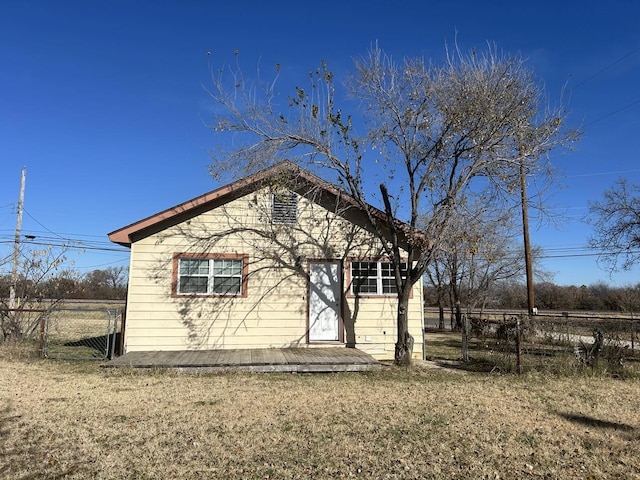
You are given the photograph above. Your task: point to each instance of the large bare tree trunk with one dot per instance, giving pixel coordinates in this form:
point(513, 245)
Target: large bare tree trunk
point(404, 343)
point(440, 307)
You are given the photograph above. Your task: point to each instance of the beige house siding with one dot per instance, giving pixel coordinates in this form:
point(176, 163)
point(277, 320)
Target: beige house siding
point(274, 312)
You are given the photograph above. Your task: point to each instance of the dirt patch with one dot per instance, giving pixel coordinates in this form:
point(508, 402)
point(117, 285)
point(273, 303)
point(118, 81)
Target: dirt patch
point(442, 365)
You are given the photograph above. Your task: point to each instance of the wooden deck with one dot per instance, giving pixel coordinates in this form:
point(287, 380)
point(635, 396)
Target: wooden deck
point(329, 359)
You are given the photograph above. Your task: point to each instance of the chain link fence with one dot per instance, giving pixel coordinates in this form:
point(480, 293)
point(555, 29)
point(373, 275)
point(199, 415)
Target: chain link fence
point(82, 333)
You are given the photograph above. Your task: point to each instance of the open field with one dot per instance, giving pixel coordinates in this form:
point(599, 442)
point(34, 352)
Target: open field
point(74, 420)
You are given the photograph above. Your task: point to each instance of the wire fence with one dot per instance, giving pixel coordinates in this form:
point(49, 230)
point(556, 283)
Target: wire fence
point(23, 324)
point(82, 333)
point(563, 340)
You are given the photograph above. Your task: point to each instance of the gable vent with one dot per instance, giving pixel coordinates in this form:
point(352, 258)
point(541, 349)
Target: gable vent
point(284, 208)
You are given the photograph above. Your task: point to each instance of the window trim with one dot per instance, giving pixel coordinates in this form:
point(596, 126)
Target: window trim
point(284, 212)
point(209, 256)
point(379, 277)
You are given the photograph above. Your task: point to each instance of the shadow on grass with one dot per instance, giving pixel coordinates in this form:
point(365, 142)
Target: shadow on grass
point(103, 344)
point(595, 422)
point(474, 365)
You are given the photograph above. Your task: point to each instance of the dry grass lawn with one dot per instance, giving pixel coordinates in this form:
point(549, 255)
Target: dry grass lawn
point(64, 420)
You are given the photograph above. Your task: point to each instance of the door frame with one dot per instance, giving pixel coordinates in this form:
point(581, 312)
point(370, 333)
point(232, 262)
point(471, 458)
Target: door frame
point(340, 300)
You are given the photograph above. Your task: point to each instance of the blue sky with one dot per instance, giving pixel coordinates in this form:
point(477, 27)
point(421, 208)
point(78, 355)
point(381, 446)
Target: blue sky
point(104, 102)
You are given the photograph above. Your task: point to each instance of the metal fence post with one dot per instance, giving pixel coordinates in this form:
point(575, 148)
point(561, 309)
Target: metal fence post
point(114, 330)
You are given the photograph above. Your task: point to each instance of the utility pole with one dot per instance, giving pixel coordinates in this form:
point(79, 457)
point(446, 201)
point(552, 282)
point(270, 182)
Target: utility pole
point(16, 244)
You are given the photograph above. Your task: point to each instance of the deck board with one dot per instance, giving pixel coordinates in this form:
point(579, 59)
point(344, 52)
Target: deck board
point(326, 359)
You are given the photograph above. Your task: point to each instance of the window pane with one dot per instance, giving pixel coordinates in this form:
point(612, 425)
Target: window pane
point(364, 269)
point(389, 285)
point(234, 267)
point(226, 285)
point(193, 284)
point(189, 266)
point(364, 276)
point(387, 269)
point(218, 267)
point(365, 285)
point(356, 270)
point(227, 267)
point(375, 277)
point(218, 276)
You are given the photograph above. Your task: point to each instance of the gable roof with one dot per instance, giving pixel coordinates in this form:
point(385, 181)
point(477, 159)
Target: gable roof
point(329, 195)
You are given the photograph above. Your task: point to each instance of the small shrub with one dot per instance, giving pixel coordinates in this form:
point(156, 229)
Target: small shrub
point(588, 355)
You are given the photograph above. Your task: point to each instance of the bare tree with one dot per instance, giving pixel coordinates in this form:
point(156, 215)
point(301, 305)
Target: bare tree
point(437, 277)
point(109, 283)
point(482, 250)
point(616, 223)
point(432, 133)
point(35, 268)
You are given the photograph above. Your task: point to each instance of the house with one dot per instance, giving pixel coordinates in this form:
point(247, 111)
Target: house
point(278, 259)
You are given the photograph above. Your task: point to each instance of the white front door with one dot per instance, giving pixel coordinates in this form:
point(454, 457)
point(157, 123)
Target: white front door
point(324, 301)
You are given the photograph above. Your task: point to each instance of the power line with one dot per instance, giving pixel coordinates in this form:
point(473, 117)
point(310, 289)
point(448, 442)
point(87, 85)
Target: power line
point(67, 239)
point(72, 246)
point(65, 234)
point(613, 113)
point(573, 255)
point(604, 69)
point(38, 222)
point(41, 234)
point(80, 244)
point(61, 241)
point(93, 267)
point(599, 72)
point(604, 173)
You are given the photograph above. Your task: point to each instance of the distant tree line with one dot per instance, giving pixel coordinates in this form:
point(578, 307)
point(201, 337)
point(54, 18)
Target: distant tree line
point(107, 284)
point(549, 296)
